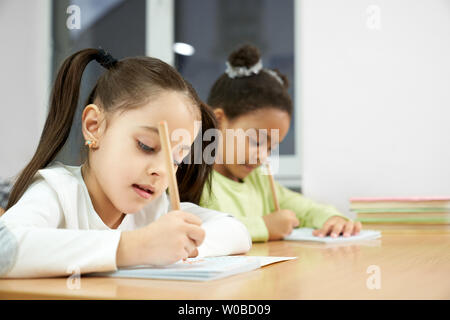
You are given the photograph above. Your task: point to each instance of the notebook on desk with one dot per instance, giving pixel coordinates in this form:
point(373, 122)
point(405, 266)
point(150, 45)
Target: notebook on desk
point(305, 234)
point(196, 269)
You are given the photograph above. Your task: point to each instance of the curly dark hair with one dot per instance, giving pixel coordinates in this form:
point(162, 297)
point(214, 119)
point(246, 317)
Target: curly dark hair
point(240, 95)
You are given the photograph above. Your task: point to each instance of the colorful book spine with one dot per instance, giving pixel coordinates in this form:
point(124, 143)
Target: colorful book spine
point(431, 211)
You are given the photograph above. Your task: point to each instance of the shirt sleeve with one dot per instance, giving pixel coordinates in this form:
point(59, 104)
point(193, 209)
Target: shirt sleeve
point(224, 234)
point(32, 245)
point(310, 213)
point(255, 225)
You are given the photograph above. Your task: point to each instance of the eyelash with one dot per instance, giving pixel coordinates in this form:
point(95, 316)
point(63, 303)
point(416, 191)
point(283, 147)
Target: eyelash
point(148, 149)
point(145, 148)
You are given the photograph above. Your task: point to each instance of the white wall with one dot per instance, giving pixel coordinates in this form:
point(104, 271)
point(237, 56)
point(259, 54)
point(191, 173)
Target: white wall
point(375, 102)
point(24, 84)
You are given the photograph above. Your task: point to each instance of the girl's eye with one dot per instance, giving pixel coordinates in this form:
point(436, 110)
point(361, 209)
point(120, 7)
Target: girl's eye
point(145, 147)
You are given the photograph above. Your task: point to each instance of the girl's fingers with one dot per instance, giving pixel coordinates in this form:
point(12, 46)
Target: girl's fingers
point(348, 228)
point(294, 220)
point(190, 218)
point(190, 247)
point(287, 232)
point(194, 253)
point(196, 234)
point(357, 228)
point(337, 229)
point(326, 228)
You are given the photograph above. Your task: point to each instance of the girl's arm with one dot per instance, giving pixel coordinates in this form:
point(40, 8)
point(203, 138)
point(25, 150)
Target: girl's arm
point(31, 245)
point(310, 213)
point(256, 227)
point(224, 234)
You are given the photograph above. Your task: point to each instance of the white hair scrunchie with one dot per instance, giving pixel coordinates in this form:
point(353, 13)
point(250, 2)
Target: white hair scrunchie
point(275, 75)
point(239, 72)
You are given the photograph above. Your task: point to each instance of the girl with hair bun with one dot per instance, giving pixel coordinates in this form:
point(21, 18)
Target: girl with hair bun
point(249, 97)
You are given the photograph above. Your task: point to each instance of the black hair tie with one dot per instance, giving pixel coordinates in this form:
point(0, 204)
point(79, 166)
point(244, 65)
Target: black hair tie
point(105, 59)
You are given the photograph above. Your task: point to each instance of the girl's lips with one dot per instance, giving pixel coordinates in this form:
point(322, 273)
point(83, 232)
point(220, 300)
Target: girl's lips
point(143, 190)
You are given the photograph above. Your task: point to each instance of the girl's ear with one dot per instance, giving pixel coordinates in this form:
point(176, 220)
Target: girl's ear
point(221, 117)
point(93, 124)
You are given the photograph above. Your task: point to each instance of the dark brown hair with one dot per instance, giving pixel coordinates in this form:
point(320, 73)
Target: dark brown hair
point(127, 83)
point(240, 95)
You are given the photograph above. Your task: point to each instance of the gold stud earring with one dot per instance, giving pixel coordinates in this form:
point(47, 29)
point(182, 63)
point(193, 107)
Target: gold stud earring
point(90, 144)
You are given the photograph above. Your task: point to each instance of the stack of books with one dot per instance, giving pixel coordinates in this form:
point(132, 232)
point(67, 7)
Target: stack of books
point(432, 213)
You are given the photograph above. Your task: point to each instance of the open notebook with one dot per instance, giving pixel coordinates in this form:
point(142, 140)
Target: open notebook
point(305, 234)
point(199, 269)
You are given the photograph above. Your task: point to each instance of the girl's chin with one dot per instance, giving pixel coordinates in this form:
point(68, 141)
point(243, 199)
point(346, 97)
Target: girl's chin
point(134, 206)
point(240, 174)
point(245, 170)
point(132, 210)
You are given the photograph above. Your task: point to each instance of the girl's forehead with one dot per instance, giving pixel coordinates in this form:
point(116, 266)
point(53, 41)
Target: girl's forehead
point(173, 107)
point(267, 118)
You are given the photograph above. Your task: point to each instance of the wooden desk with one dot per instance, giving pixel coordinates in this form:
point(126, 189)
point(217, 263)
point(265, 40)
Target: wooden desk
point(412, 266)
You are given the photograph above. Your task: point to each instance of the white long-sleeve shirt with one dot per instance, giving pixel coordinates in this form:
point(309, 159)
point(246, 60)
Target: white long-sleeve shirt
point(54, 229)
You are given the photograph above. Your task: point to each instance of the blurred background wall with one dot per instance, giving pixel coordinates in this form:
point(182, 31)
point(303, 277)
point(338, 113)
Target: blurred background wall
point(375, 98)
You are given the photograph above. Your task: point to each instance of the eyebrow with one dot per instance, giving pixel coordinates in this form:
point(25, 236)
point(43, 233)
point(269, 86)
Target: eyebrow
point(155, 129)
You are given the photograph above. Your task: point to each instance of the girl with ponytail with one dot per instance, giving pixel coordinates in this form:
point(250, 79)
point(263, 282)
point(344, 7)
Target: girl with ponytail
point(112, 211)
point(250, 98)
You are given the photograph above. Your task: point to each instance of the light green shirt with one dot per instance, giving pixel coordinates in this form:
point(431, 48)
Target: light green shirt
point(251, 199)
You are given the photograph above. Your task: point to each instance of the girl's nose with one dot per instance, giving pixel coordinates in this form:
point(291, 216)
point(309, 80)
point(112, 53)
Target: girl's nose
point(156, 170)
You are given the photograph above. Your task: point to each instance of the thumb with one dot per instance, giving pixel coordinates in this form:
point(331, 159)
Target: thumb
point(295, 222)
point(193, 253)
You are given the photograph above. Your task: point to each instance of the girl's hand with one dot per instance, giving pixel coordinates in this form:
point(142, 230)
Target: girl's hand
point(336, 225)
point(280, 223)
point(173, 237)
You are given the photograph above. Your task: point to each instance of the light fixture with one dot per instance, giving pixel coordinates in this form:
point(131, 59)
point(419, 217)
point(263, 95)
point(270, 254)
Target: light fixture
point(183, 48)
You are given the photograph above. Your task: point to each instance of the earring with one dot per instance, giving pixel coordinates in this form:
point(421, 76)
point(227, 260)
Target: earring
point(90, 144)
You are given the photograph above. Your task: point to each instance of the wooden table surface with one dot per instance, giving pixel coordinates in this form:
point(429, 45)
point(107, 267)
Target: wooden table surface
point(411, 266)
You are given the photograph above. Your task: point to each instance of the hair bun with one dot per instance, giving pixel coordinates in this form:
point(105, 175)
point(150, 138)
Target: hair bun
point(245, 56)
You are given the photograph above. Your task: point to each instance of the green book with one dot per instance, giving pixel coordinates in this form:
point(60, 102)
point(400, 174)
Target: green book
point(405, 220)
point(380, 210)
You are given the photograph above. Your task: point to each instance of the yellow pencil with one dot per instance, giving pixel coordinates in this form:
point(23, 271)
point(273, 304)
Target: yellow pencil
point(272, 186)
point(165, 145)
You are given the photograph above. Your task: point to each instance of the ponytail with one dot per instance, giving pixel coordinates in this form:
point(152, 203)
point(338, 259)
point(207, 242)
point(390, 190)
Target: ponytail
point(128, 83)
point(63, 104)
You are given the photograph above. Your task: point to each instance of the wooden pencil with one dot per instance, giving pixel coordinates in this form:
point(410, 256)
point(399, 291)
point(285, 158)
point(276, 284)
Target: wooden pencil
point(165, 145)
point(272, 186)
